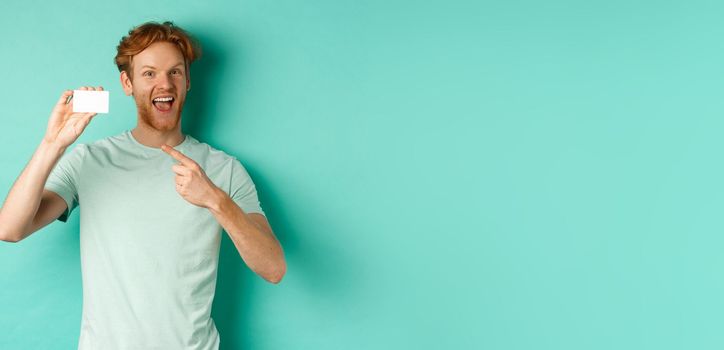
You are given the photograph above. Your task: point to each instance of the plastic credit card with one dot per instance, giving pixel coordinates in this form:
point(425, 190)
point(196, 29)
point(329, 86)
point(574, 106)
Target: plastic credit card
point(90, 101)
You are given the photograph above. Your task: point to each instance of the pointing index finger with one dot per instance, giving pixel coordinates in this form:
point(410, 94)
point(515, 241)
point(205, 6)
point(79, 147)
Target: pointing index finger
point(177, 155)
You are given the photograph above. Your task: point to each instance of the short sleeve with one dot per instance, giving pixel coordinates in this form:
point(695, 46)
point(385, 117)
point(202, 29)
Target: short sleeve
point(243, 191)
point(63, 179)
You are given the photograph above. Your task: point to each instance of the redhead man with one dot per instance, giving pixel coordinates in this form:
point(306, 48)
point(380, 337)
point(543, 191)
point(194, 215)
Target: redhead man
point(154, 202)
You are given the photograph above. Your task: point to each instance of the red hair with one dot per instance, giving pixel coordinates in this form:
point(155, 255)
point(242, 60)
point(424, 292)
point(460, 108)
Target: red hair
point(142, 36)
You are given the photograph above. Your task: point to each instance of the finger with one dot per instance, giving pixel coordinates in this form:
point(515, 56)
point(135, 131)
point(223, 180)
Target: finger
point(88, 116)
point(178, 155)
point(87, 119)
point(64, 97)
point(181, 170)
point(181, 181)
point(83, 117)
point(79, 118)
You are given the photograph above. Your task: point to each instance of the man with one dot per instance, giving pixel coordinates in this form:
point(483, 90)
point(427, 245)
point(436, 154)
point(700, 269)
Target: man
point(154, 202)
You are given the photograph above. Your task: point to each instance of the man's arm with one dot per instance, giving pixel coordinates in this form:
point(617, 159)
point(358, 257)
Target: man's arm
point(28, 206)
point(252, 236)
point(250, 233)
point(27, 200)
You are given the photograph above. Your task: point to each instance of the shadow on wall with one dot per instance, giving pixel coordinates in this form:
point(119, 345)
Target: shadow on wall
point(320, 272)
point(200, 109)
point(320, 268)
point(233, 297)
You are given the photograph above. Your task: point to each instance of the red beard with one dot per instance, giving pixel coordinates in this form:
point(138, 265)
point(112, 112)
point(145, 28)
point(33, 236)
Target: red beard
point(151, 117)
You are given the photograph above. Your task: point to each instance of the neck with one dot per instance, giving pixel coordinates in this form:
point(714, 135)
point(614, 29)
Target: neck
point(155, 138)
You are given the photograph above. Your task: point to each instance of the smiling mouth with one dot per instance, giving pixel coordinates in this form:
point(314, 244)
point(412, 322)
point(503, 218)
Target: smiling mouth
point(163, 104)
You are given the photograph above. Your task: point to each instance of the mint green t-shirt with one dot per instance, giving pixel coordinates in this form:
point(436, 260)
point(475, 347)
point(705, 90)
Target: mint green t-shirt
point(148, 257)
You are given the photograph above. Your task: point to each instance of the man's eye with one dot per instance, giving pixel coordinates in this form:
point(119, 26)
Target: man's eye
point(176, 72)
point(147, 74)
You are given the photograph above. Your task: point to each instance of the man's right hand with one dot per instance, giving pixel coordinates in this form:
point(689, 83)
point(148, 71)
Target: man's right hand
point(29, 206)
point(64, 126)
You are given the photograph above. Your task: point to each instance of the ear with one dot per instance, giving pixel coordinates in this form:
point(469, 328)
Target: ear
point(126, 83)
point(188, 83)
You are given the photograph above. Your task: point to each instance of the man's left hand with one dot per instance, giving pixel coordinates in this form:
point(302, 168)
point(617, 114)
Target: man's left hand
point(191, 180)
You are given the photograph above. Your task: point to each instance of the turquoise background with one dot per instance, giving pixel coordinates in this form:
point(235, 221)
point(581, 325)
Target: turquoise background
point(442, 175)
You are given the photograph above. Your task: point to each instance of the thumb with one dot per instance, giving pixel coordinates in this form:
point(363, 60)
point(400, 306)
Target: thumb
point(86, 119)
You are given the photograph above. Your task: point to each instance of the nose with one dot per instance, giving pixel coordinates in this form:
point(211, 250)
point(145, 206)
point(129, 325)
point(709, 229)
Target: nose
point(164, 82)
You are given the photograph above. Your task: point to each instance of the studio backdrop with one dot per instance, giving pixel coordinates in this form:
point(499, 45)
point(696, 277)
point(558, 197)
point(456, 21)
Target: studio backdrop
point(441, 174)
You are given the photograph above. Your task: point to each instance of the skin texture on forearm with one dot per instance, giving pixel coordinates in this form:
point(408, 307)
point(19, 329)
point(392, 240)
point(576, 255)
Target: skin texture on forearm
point(259, 249)
point(23, 200)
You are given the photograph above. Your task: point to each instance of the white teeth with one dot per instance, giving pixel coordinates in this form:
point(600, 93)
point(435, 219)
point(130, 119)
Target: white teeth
point(162, 99)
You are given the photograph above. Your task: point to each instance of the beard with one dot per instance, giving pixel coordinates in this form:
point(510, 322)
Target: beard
point(150, 116)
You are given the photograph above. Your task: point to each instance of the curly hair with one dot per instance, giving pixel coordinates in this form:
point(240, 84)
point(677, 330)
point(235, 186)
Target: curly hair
point(142, 36)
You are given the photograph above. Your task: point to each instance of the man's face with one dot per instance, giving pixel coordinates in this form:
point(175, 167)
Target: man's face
point(158, 84)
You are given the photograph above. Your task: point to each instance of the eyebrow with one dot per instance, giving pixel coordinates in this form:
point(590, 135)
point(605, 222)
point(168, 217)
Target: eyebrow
point(152, 67)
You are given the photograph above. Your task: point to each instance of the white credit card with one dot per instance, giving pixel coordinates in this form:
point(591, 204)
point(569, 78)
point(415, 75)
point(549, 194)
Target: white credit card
point(90, 101)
